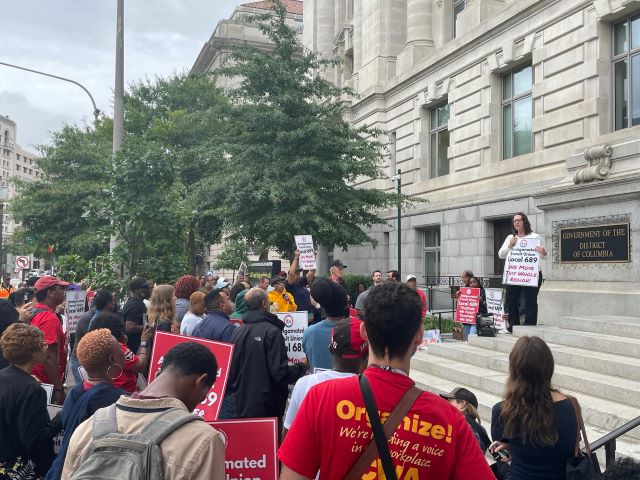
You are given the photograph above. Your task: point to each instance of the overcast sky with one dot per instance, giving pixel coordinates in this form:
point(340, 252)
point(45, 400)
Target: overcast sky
point(76, 39)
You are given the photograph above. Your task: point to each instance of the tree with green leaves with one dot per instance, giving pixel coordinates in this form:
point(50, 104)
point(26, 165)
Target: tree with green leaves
point(234, 253)
point(63, 208)
point(294, 160)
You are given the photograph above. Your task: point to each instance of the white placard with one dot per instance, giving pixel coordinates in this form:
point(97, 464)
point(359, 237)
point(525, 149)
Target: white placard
point(495, 304)
point(74, 308)
point(295, 324)
point(53, 410)
point(49, 389)
point(304, 244)
point(523, 263)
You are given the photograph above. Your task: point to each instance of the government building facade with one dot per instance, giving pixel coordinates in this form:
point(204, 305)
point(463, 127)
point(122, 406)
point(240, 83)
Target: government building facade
point(493, 107)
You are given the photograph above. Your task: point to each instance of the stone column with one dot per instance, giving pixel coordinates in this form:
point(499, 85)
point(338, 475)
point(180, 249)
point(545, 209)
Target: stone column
point(419, 28)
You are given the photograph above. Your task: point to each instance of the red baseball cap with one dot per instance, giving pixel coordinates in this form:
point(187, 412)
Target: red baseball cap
point(49, 281)
point(346, 341)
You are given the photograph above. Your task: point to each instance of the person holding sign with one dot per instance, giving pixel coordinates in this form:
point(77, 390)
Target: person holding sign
point(296, 284)
point(521, 232)
point(280, 299)
point(26, 437)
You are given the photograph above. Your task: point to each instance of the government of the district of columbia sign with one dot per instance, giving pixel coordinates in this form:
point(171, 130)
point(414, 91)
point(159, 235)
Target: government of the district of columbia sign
point(608, 243)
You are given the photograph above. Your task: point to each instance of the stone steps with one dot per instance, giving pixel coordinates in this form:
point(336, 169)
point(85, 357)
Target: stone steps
point(596, 411)
point(625, 445)
point(628, 327)
point(600, 385)
point(605, 363)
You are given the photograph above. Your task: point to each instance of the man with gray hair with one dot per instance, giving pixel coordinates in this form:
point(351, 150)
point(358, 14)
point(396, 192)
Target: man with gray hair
point(260, 373)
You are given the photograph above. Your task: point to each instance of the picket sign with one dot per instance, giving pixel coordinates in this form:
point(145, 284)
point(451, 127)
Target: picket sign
point(295, 323)
point(522, 265)
point(468, 305)
point(209, 408)
point(74, 308)
point(495, 307)
point(304, 244)
point(250, 448)
point(53, 410)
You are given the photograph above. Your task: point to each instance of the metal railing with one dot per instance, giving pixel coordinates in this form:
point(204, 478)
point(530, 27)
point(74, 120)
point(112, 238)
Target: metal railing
point(608, 441)
point(494, 281)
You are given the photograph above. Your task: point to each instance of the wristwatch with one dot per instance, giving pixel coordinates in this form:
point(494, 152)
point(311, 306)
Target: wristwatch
point(143, 344)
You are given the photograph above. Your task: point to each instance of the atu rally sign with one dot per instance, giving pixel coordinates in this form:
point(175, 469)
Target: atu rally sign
point(523, 263)
point(209, 408)
point(468, 305)
point(250, 448)
point(295, 324)
point(74, 308)
point(307, 259)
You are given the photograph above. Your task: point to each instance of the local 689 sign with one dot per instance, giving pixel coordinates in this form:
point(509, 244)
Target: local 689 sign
point(209, 408)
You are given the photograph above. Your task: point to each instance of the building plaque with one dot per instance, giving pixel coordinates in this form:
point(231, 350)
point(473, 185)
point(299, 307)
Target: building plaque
point(608, 243)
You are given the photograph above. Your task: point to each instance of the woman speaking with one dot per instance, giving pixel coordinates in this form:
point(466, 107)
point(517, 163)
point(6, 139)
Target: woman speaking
point(522, 230)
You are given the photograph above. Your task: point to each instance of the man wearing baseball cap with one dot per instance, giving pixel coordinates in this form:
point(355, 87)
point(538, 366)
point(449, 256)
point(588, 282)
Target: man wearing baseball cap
point(412, 282)
point(49, 294)
point(315, 339)
point(335, 269)
point(349, 355)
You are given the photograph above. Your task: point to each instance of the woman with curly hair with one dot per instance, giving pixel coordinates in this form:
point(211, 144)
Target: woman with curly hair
point(26, 433)
point(184, 288)
point(162, 308)
point(133, 364)
point(101, 356)
point(535, 421)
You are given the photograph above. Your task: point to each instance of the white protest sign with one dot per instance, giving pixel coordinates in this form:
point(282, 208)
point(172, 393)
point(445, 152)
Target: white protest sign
point(295, 324)
point(49, 389)
point(74, 304)
point(304, 243)
point(495, 305)
point(53, 410)
point(523, 263)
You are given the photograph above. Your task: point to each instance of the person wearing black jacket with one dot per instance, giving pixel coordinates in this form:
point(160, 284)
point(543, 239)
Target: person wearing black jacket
point(260, 373)
point(26, 434)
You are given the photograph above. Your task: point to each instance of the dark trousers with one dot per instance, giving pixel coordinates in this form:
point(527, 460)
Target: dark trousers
point(530, 304)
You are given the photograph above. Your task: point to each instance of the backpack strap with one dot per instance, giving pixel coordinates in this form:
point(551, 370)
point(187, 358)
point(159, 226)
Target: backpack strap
point(104, 422)
point(166, 423)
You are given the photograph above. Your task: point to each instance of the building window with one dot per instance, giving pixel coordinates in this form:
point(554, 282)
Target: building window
point(439, 140)
point(626, 72)
point(517, 112)
point(458, 7)
point(17, 168)
point(431, 251)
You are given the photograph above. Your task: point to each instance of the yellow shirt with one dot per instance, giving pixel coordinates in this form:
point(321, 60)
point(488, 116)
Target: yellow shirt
point(282, 304)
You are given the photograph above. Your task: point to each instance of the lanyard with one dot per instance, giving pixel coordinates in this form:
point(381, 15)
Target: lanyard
point(387, 368)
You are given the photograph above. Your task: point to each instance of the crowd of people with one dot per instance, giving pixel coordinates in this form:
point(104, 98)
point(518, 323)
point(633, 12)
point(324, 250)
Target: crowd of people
point(355, 376)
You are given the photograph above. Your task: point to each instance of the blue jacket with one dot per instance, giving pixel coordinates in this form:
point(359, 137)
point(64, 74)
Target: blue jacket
point(215, 326)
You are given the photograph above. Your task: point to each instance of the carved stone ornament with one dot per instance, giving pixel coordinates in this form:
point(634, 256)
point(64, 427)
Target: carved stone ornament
point(599, 160)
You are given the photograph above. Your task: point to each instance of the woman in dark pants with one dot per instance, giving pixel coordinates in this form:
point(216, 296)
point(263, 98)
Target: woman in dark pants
point(522, 230)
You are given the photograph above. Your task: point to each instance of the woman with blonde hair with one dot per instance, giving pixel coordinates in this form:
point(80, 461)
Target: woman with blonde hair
point(535, 421)
point(26, 436)
point(162, 308)
point(103, 359)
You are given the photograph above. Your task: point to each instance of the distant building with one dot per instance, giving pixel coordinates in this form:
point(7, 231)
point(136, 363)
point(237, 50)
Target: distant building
point(236, 31)
point(17, 163)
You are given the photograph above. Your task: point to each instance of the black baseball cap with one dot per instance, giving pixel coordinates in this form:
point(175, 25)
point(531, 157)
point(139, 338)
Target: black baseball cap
point(137, 283)
point(461, 393)
point(276, 279)
point(338, 263)
point(330, 295)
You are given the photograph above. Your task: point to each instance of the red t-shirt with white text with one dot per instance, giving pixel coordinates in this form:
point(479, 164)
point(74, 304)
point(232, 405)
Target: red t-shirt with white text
point(128, 380)
point(49, 323)
point(331, 431)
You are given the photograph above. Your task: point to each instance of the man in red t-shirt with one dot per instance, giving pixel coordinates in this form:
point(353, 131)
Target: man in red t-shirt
point(331, 430)
point(50, 294)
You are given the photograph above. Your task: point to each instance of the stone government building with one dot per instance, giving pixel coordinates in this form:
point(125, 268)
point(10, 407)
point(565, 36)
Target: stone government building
point(493, 107)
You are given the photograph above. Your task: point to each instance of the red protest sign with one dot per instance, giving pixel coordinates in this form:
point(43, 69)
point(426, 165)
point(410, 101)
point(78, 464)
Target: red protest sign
point(209, 408)
point(251, 446)
point(468, 304)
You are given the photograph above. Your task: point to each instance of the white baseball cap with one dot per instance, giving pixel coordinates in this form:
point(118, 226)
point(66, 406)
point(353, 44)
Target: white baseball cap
point(410, 277)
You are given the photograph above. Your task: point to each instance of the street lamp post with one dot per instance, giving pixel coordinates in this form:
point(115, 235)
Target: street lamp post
point(96, 112)
point(4, 194)
point(398, 178)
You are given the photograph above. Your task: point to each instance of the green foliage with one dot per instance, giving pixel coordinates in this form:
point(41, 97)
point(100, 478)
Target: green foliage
point(431, 323)
point(105, 277)
point(234, 253)
point(63, 207)
point(72, 268)
point(352, 280)
point(293, 160)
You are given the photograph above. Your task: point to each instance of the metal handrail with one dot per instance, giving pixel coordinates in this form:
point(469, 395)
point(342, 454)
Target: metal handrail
point(455, 281)
point(608, 441)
